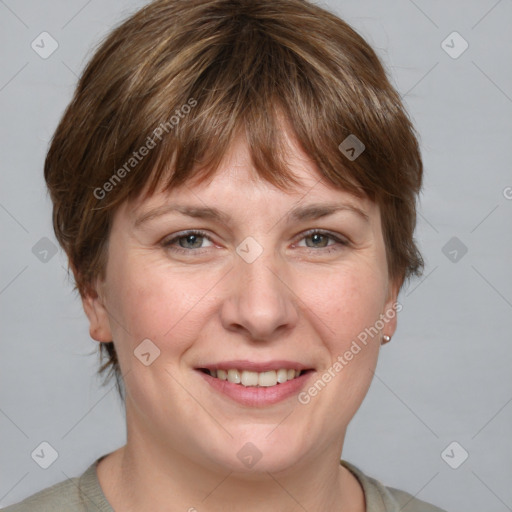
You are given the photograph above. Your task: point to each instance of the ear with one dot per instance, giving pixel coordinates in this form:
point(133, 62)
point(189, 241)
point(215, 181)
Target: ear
point(95, 309)
point(392, 307)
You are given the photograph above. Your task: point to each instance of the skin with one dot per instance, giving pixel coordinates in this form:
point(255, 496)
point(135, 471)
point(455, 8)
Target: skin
point(296, 301)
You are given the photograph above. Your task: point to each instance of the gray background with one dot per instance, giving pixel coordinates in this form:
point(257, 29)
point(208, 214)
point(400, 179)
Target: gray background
point(446, 375)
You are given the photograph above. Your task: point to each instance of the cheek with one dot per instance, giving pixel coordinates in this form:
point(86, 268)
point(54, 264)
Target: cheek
point(149, 300)
point(345, 302)
point(349, 302)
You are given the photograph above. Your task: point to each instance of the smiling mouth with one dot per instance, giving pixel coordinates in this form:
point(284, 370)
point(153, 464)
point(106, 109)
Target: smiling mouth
point(255, 379)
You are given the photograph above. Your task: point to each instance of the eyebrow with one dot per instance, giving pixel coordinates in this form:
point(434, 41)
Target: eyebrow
point(299, 213)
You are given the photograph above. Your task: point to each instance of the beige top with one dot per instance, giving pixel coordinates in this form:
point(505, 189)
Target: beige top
point(84, 494)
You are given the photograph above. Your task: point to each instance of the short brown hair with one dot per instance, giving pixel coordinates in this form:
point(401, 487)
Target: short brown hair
point(202, 71)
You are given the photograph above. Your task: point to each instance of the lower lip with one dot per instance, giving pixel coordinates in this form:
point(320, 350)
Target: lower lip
point(257, 396)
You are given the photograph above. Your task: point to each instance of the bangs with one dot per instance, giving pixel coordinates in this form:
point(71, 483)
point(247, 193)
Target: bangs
point(247, 82)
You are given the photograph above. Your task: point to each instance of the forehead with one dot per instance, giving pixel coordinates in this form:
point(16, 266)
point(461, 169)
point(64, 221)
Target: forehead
point(236, 184)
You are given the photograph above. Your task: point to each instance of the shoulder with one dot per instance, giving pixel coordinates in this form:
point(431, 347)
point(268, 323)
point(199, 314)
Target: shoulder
point(61, 496)
point(409, 503)
point(380, 498)
point(80, 494)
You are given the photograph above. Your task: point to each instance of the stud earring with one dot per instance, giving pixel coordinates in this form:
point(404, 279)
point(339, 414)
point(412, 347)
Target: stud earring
point(385, 339)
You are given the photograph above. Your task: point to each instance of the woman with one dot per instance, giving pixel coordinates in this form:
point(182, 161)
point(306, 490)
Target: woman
point(234, 183)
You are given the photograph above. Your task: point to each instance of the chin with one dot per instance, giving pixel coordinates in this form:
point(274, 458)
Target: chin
point(256, 453)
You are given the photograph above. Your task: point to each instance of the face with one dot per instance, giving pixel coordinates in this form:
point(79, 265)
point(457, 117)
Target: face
point(235, 279)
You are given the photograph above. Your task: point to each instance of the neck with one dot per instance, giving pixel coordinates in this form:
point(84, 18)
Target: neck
point(146, 475)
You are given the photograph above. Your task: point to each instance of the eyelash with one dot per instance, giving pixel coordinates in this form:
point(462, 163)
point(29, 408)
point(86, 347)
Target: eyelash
point(168, 244)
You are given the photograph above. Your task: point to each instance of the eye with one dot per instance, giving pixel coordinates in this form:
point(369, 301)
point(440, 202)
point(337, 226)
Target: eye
point(187, 241)
point(320, 240)
point(192, 241)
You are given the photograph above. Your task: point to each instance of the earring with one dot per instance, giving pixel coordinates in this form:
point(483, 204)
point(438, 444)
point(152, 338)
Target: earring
point(385, 339)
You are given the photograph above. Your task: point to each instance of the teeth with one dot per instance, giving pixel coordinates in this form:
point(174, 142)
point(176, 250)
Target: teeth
point(234, 376)
point(267, 379)
point(253, 379)
point(282, 376)
point(249, 378)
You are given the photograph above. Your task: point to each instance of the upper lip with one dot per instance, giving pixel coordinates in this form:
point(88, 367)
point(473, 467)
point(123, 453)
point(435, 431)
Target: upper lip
point(254, 366)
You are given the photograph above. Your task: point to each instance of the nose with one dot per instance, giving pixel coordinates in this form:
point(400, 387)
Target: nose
point(260, 303)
